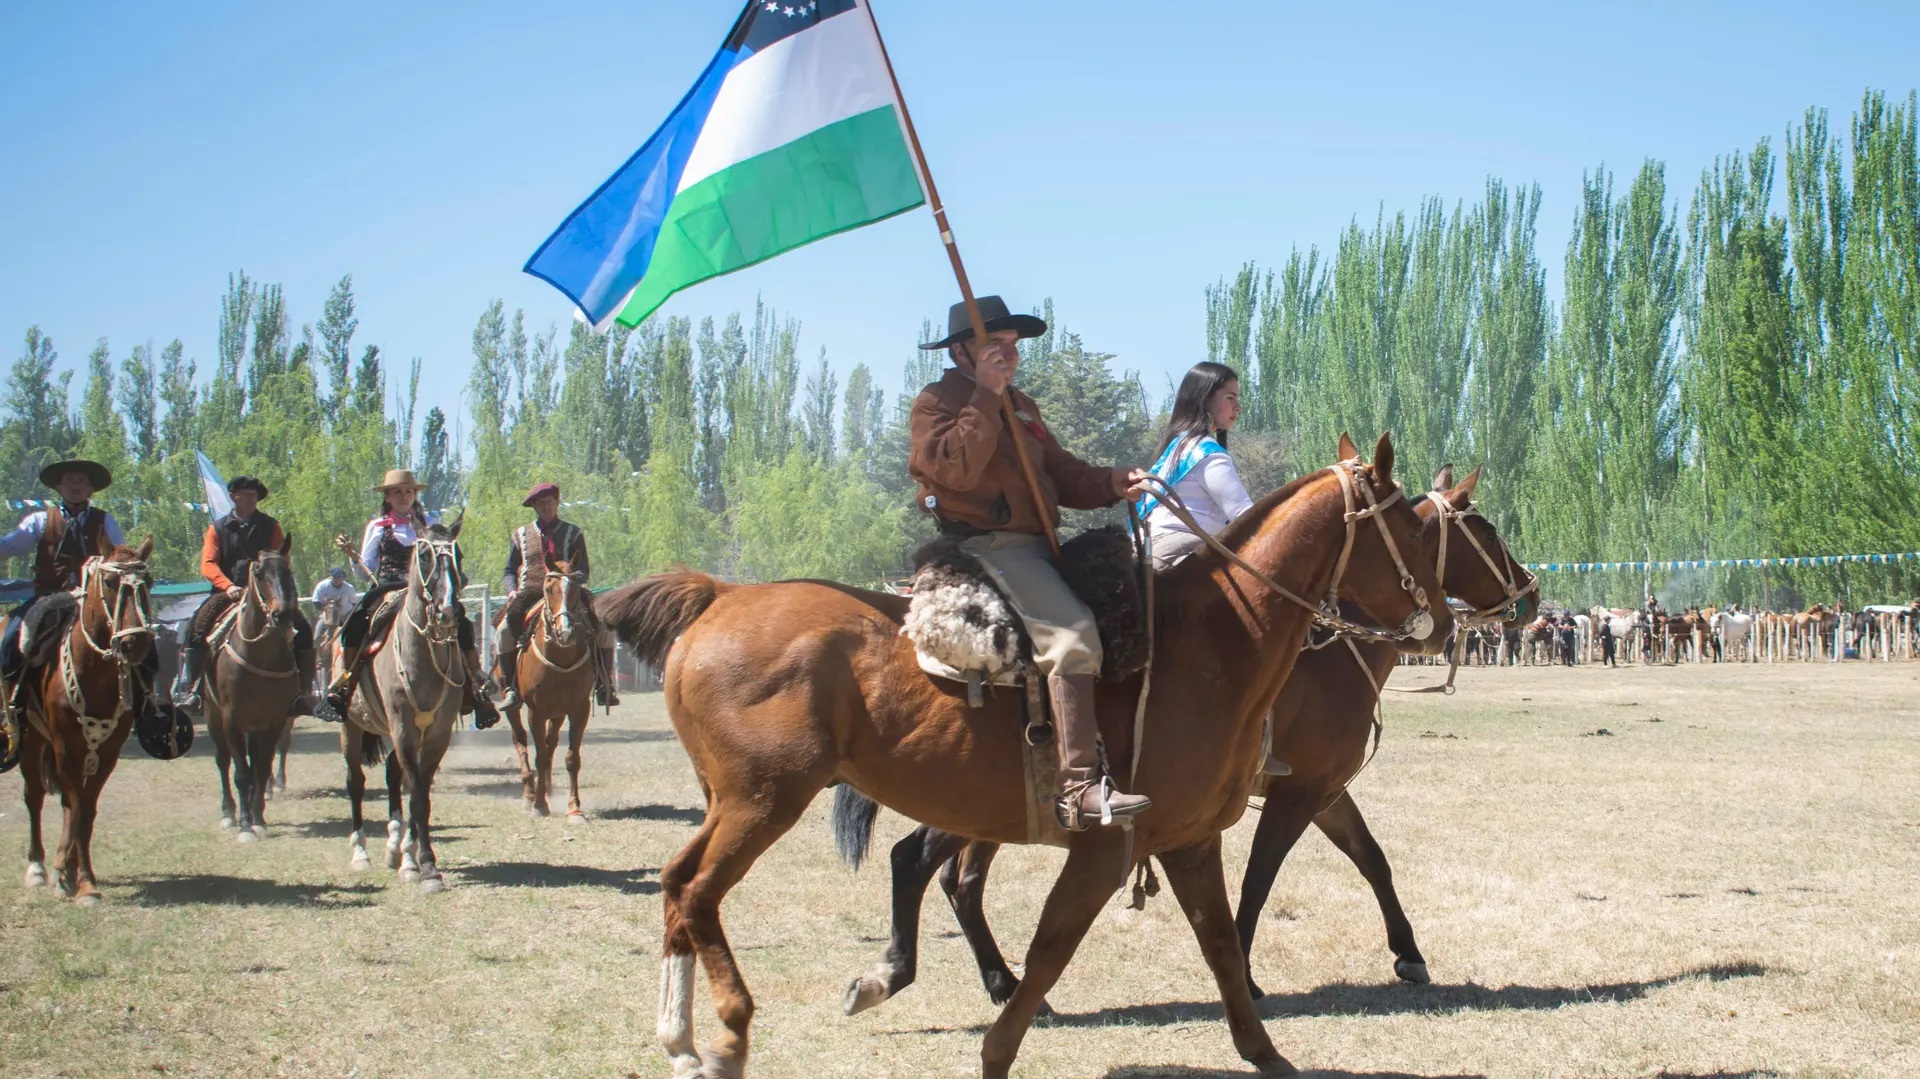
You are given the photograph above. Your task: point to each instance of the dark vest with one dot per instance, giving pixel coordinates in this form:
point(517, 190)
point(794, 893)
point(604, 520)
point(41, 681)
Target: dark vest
point(536, 548)
point(56, 568)
point(394, 560)
point(241, 542)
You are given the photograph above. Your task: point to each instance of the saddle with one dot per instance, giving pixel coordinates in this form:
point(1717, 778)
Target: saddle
point(45, 624)
point(379, 624)
point(964, 630)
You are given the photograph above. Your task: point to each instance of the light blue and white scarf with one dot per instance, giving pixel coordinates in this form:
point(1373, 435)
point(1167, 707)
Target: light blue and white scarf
point(1176, 461)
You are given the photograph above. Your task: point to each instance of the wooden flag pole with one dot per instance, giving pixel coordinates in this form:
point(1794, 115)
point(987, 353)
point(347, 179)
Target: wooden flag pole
point(966, 291)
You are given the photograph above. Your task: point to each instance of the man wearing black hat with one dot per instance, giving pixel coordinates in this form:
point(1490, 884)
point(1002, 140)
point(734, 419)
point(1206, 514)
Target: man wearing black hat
point(535, 546)
point(226, 561)
point(970, 479)
point(90, 531)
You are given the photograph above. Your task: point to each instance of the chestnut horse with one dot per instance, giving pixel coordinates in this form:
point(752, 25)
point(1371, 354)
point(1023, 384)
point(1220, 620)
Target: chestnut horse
point(1321, 727)
point(556, 685)
point(777, 690)
point(83, 709)
point(251, 683)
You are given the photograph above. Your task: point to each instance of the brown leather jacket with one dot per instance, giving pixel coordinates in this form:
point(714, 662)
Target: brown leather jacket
point(963, 457)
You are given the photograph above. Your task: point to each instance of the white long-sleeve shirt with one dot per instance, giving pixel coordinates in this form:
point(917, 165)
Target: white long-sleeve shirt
point(403, 530)
point(1212, 492)
point(26, 536)
point(339, 597)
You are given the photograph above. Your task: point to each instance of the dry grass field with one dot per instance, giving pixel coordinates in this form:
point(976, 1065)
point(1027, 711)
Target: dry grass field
point(1725, 885)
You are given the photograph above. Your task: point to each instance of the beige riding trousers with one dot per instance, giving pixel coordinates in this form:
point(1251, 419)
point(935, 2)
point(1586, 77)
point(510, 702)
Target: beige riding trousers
point(1065, 639)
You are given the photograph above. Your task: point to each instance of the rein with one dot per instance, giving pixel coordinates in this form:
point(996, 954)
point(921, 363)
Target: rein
point(131, 580)
point(547, 627)
point(1508, 576)
point(258, 601)
point(432, 636)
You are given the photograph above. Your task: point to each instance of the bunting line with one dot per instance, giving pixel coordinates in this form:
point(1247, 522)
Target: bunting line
point(1802, 562)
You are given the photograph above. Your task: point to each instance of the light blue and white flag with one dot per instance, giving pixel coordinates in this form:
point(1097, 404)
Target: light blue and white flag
point(219, 502)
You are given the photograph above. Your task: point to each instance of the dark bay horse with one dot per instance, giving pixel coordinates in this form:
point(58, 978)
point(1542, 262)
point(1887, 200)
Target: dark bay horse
point(556, 686)
point(251, 683)
point(776, 690)
point(1322, 723)
point(84, 708)
point(410, 696)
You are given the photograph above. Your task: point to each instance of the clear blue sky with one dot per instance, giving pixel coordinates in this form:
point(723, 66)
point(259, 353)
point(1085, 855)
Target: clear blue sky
point(1117, 156)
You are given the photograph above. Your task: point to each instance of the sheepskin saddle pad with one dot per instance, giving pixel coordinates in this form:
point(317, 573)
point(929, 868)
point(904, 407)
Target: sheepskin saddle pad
point(959, 622)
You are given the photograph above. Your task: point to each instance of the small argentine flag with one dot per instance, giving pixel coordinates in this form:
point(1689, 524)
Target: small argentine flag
point(219, 502)
point(792, 134)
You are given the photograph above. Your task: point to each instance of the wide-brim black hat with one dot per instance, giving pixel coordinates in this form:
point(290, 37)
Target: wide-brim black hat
point(993, 312)
point(248, 483)
point(93, 470)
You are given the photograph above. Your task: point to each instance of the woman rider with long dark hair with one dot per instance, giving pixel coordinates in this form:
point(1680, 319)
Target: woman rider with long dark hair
point(384, 556)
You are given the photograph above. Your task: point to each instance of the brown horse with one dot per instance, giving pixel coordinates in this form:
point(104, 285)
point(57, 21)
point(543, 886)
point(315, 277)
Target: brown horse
point(776, 690)
point(252, 681)
point(83, 709)
point(1321, 727)
point(556, 684)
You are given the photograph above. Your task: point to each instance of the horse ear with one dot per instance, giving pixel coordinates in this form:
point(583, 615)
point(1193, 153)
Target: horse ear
point(286, 544)
point(1383, 458)
point(1348, 451)
point(454, 532)
point(1443, 479)
point(144, 550)
point(1462, 496)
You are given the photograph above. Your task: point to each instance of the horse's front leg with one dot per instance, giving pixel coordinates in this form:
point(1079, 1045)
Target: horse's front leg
point(223, 762)
point(351, 747)
point(915, 857)
point(396, 815)
point(576, 733)
point(1096, 868)
point(515, 716)
point(546, 736)
point(1282, 820)
point(1200, 884)
point(432, 747)
point(34, 764)
point(1343, 824)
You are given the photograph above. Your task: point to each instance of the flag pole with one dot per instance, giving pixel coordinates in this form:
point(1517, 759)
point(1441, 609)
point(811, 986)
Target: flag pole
point(966, 289)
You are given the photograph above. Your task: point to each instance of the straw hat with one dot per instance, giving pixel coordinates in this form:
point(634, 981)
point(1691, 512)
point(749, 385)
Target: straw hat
point(397, 479)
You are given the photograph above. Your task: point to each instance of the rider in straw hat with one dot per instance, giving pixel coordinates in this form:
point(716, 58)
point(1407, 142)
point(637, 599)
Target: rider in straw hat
point(226, 561)
point(384, 556)
point(89, 532)
point(547, 540)
point(971, 482)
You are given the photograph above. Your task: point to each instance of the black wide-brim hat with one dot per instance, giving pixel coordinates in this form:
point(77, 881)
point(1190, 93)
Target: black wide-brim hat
point(248, 483)
point(93, 470)
point(993, 312)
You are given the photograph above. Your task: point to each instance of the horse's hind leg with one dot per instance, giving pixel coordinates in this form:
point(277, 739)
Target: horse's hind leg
point(1096, 868)
point(1200, 885)
point(964, 880)
point(35, 761)
point(280, 759)
point(736, 832)
point(915, 858)
point(1343, 824)
point(1281, 823)
point(576, 734)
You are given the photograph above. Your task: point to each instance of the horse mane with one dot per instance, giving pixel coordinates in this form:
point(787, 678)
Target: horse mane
point(651, 613)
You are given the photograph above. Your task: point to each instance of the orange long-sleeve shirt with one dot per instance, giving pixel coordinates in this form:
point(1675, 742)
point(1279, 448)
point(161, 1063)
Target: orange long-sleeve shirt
point(210, 555)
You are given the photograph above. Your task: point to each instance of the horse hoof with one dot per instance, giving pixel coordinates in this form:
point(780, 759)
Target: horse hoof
point(226, 822)
point(393, 859)
point(1276, 1067)
point(361, 862)
point(36, 875)
point(576, 817)
point(409, 874)
point(246, 836)
point(1411, 972)
point(1254, 990)
point(87, 899)
point(541, 811)
point(260, 831)
point(863, 992)
point(433, 885)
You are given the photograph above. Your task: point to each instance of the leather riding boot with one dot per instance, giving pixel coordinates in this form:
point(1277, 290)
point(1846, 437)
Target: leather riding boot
point(333, 706)
point(1087, 797)
point(479, 698)
point(303, 661)
point(506, 662)
point(603, 688)
point(186, 685)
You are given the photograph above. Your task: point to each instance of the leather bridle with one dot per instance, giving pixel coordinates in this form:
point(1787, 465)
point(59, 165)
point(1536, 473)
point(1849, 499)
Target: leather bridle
point(1508, 572)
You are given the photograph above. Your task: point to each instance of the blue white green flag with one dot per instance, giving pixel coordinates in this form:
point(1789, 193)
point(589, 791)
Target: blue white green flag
point(792, 134)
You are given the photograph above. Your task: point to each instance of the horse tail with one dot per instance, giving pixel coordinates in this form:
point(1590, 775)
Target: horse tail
point(853, 817)
point(373, 751)
point(651, 613)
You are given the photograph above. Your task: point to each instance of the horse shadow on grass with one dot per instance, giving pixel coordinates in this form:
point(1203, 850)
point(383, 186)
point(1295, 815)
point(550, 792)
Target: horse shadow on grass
point(375, 827)
point(677, 814)
point(212, 889)
point(1180, 1071)
point(545, 875)
point(1346, 999)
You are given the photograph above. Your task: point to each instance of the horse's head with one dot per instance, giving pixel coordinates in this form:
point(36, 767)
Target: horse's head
point(562, 601)
point(119, 598)
point(1473, 563)
point(1385, 573)
point(271, 582)
point(437, 576)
